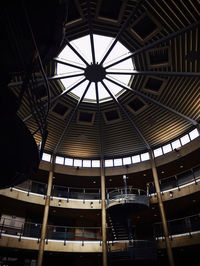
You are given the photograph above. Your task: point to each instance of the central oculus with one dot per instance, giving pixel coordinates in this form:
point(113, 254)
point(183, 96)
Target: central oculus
point(78, 62)
point(95, 73)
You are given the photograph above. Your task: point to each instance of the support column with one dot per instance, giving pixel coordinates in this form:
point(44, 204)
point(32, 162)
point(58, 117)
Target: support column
point(46, 213)
point(103, 214)
point(198, 127)
point(162, 211)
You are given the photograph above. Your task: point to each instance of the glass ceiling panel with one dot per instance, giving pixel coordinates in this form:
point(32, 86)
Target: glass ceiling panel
point(83, 47)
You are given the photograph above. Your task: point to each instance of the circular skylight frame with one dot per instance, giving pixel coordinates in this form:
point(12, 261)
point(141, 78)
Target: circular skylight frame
point(79, 55)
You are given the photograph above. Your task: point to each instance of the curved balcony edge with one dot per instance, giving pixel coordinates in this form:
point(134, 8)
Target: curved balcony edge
point(50, 245)
point(90, 246)
point(36, 198)
point(39, 199)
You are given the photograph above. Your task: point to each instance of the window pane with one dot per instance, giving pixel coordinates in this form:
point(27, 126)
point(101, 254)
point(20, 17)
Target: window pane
point(69, 161)
point(118, 162)
point(46, 157)
point(86, 163)
point(176, 144)
point(194, 134)
point(158, 152)
point(59, 160)
point(77, 162)
point(185, 139)
point(167, 148)
point(108, 163)
point(127, 160)
point(145, 156)
point(95, 163)
point(136, 159)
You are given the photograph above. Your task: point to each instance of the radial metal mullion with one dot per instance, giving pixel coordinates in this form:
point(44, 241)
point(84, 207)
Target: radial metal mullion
point(145, 97)
point(64, 76)
point(58, 97)
point(151, 45)
point(99, 116)
point(123, 27)
point(154, 73)
point(61, 76)
point(91, 31)
point(70, 119)
point(65, 62)
point(76, 52)
point(127, 116)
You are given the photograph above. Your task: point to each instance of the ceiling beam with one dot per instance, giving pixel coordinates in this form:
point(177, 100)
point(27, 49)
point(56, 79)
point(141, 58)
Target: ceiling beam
point(100, 122)
point(122, 29)
point(154, 73)
point(91, 31)
point(153, 44)
point(56, 77)
point(53, 100)
point(70, 119)
point(147, 98)
point(68, 63)
point(127, 116)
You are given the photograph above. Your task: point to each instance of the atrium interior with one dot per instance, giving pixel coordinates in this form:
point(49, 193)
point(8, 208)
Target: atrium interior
point(100, 111)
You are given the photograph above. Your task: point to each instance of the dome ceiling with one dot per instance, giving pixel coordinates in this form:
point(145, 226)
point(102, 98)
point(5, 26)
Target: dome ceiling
point(161, 101)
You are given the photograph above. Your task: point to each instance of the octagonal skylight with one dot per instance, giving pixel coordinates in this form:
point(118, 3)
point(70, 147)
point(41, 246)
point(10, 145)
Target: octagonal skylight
point(82, 60)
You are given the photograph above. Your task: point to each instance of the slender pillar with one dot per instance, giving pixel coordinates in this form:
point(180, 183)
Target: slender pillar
point(162, 211)
point(46, 213)
point(103, 214)
point(198, 127)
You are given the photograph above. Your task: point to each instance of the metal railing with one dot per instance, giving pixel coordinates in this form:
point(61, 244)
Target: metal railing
point(172, 182)
point(176, 181)
point(60, 191)
point(62, 233)
point(185, 225)
point(128, 194)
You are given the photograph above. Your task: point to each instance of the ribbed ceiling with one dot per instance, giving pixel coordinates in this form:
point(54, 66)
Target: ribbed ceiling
point(156, 124)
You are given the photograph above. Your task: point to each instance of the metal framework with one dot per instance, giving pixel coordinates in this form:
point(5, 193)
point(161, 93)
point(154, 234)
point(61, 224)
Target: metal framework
point(91, 68)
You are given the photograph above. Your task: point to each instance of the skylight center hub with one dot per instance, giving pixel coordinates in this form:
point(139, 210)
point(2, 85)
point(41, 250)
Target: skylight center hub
point(95, 73)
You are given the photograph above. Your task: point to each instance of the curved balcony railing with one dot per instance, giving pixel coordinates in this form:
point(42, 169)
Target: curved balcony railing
point(166, 184)
point(176, 181)
point(61, 191)
point(62, 233)
point(128, 195)
point(186, 225)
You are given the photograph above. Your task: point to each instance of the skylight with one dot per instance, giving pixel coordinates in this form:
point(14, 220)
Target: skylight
point(76, 60)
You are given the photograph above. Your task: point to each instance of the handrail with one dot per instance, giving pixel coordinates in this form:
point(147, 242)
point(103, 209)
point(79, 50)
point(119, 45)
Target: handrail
point(178, 226)
point(29, 229)
point(175, 181)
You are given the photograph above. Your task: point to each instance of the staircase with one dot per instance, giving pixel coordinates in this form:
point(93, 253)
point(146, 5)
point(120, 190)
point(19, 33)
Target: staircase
point(119, 229)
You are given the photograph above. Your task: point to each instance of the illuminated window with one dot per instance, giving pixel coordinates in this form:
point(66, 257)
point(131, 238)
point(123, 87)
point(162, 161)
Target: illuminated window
point(69, 161)
point(157, 152)
point(95, 163)
point(59, 160)
point(126, 160)
point(194, 134)
point(108, 163)
point(167, 148)
point(185, 139)
point(77, 162)
point(118, 162)
point(86, 163)
point(46, 157)
point(145, 156)
point(136, 159)
point(176, 144)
